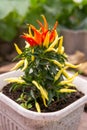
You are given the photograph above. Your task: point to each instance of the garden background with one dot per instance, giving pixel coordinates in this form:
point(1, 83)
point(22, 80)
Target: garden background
point(15, 15)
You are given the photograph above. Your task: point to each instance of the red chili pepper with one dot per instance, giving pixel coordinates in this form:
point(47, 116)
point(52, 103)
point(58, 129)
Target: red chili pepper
point(30, 40)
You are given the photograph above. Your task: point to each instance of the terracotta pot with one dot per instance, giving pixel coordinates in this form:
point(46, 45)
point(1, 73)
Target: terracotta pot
point(75, 40)
point(15, 117)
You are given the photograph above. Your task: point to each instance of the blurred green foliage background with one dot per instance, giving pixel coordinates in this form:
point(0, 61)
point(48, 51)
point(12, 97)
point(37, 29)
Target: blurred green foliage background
point(15, 14)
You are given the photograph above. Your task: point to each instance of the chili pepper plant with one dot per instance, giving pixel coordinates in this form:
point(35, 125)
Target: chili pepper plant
point(44, 64)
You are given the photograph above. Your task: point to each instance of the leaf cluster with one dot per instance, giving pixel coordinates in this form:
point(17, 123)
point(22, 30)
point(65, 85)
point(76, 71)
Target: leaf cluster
point(12, 15)
point(43, 71)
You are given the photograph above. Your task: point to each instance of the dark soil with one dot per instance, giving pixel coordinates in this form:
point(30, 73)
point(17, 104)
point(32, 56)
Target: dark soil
point(54, 106)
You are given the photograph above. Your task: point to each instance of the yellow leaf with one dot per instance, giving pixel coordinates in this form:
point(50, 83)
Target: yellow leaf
point(66, 74)
point(15, 79)
point(19, 64)
point(51, 49)
point(37, 106)
point(25, 64)
point(18, 49)
point(30, 32)
point(53, 44)
point(71, 65)
point(57, 63)
point(44, 101)
point(59, 74)
point(65, 90)
point(36, 84)
point(46, 40)
point(60, 49)
point(32, 57)
point(70, 80)
point(44, 92)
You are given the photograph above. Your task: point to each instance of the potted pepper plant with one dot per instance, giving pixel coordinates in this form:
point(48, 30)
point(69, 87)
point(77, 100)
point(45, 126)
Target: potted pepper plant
point(37, 94)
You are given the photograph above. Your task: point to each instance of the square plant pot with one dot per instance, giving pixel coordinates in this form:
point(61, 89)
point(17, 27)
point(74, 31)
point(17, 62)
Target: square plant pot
point(75, 40)
point(15, 117)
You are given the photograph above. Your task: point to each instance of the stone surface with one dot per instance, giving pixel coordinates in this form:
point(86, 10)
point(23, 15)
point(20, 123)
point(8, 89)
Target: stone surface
point(83, 122)
point(6, 68)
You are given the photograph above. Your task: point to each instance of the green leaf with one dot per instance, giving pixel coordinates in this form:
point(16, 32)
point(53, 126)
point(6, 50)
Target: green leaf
point(20, 6)
point(29, 106)
point(7, 33)
point(12, 17)
point(23, 105)
point(51, 95)
point(3, 10)
point(32, 94)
